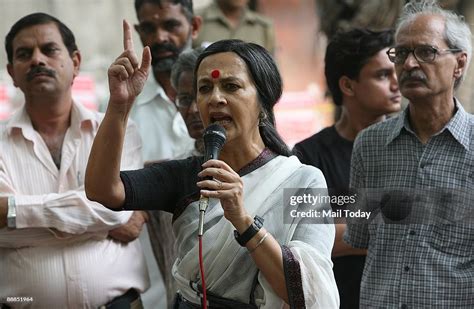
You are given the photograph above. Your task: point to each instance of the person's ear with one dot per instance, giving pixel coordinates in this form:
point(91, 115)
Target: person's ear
point(11, 73)
point(460, 65)
point(76, 61)
point(196, 23)
point(346, 86)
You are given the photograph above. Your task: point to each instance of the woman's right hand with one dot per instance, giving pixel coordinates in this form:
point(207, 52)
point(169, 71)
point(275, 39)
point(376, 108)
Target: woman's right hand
point(126, 78)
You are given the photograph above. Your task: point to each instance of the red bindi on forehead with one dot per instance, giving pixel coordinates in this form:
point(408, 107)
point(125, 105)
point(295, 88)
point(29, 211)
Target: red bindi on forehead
point(215, 73)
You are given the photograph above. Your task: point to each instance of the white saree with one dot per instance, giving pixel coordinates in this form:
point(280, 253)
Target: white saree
point(230, 270)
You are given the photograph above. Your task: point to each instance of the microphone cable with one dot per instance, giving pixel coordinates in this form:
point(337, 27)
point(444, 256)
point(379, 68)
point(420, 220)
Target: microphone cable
point(203, 204)
point(203, 280)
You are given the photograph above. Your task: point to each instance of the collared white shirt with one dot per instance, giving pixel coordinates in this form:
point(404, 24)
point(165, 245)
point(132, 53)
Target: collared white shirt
point(59, 254)
point(163, 131)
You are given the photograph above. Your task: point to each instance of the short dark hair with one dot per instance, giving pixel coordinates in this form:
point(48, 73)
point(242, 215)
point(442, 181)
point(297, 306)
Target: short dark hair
point(39, 19)
point(348, 52)
point(267, 80)
point(187, 5)
point(186, 63)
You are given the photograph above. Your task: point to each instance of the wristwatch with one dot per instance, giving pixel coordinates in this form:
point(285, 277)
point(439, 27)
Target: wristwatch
point(250, 232)
point(11, 214)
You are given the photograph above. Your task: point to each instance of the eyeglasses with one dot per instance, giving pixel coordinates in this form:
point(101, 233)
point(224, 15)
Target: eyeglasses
point(422, 53)
point(184, 101)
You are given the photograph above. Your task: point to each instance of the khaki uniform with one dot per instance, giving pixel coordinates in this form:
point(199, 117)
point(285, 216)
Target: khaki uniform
point(253, 28)
point(347, 14)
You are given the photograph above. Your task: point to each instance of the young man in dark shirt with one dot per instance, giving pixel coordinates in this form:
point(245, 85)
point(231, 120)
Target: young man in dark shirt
point(363, 83)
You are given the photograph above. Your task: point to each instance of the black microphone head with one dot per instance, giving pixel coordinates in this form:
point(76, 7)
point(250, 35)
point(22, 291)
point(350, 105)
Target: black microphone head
point(214, 138)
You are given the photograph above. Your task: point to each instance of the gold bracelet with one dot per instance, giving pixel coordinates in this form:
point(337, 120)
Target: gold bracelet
point(259, 243)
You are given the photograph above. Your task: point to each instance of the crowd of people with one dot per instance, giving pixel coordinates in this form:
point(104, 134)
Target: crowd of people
point(77, 187)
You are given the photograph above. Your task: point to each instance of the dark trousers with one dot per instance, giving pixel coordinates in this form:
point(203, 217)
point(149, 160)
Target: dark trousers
point(348, 274)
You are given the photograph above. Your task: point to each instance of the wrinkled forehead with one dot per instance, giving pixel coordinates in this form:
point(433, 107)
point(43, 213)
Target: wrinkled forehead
point(425, 29)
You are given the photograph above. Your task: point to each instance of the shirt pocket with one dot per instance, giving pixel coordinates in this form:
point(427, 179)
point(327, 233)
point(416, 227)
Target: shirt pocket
point(453, 239)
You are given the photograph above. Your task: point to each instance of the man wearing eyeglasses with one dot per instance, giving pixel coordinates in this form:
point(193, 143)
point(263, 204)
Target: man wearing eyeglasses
point(427, 153)
point(182, 76)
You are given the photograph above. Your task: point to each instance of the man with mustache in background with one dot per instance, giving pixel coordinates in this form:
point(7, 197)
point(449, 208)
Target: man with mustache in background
point(54, 242)
point(423, 263)
point(168, 28)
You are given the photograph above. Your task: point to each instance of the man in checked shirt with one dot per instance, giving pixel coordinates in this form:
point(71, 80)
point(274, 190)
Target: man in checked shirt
point(428, 150)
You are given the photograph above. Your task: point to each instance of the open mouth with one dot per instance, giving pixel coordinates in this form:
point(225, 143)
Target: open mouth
point(219, 118)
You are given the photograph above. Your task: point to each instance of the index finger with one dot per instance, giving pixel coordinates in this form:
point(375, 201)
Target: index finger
point(127, 36)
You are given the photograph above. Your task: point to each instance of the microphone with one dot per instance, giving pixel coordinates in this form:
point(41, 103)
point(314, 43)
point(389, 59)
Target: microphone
point(214, 138)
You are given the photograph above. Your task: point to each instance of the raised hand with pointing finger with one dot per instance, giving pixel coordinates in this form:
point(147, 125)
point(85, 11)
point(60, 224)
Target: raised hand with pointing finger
point(126, 77)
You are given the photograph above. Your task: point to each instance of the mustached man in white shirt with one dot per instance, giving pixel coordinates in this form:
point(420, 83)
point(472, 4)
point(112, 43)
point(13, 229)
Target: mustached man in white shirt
point(58, 249)
point(168, 28)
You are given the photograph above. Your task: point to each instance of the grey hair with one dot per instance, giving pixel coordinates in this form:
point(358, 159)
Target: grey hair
point(457, 33)
point(186, 63)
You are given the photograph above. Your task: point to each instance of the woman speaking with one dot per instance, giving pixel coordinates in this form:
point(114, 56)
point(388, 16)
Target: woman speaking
point(251, 258)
